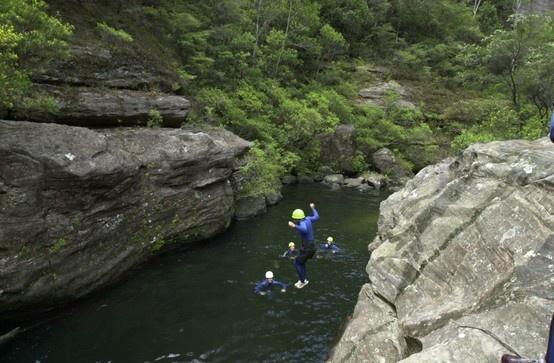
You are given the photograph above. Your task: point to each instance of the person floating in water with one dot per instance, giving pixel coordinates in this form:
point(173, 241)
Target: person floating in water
point(266, 284)
point(329, 245)
point(304, 226)
point(291, 252)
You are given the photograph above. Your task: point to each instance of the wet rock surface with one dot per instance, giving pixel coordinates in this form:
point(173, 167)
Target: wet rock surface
point(79, 208)
point(462, 268)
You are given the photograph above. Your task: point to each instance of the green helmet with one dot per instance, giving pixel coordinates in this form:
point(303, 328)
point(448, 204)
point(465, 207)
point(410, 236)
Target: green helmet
point(298, 214)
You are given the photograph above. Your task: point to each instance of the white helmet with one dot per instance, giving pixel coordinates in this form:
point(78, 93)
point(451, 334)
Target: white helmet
point(330, 239)
point(269, 275)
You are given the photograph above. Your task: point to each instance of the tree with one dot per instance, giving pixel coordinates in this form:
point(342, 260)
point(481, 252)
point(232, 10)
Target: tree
point(332, 43)
point(516, 53)
point(28, 37)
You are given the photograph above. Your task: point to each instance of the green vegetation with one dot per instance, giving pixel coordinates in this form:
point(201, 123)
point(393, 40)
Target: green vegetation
point(29, 37)
point(118, 34)
point(60, 242)
point(284, 72)
point(154, 119)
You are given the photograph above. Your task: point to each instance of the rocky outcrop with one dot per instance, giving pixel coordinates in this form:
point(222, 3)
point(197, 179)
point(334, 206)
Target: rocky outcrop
point(462, 268)
point(338, 150)
point(104, 86)
point(100, 65)
point(109, 107)
point(376, 95)
point(386, 163)
point(78, 208)
point(536, 6)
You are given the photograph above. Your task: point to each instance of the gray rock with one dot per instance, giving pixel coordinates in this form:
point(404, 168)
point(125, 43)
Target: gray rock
point(377, 339)
point(353, 182)
point(334, 179)
point(338, 149)
point(273, 197)
point(364, 188)
point(79, 208)
point(305, 179)
point(100, 67)
point(536, 7)
point(464, 255)
point(375, 180)
point(376, 95)
point(325, 170)
point(385, 161)
point(86, 106)
point(289, 179)
point(248, 207)
point(334, 186)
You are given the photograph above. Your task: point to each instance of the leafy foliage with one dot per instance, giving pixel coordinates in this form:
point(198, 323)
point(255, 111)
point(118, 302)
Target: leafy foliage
point(284, 72)
point(118, 34)
point(28, 37)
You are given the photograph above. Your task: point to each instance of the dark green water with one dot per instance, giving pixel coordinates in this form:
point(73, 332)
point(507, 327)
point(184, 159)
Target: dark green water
point(199, 305)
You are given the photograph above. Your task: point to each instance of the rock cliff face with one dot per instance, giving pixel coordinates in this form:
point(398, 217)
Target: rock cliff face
point(462, 269)
point(100, 87)
point(78, 208)
point(537, 6)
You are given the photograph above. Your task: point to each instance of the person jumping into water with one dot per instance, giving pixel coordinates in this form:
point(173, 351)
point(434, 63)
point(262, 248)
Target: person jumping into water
point(304, 226)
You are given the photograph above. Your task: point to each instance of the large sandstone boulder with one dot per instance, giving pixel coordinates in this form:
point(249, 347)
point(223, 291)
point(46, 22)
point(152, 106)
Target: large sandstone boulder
point(102, 66)
point(105, 86)
point(248, 207)
point(462, 268)
point(338, 149)
point(385, 161)
point(78, 208)
point(99, 107)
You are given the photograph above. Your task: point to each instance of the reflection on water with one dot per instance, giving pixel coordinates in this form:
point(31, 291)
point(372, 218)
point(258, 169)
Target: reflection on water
point(199, 306)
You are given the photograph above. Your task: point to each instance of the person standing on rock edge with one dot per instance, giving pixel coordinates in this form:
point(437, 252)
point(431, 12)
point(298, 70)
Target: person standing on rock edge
point(304, 226)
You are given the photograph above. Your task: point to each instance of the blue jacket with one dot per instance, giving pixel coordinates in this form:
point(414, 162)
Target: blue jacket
point(289, 253)
point(305, 226)
point(551, 134)
point(265, 285)
point(330, 247)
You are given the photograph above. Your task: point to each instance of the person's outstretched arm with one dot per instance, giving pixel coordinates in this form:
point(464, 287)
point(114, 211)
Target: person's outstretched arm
point(260, 286)
point(315, 216)
point(282, 285)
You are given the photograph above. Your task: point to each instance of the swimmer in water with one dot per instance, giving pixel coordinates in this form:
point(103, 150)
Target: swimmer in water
point(266, 284)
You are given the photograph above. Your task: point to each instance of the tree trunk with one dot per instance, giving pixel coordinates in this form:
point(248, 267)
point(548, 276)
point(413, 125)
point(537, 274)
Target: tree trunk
point(285, 39)
point(258, 30)
point(476, 4)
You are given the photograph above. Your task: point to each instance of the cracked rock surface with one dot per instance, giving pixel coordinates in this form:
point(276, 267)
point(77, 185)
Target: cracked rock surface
point(78, 208)
point(462, 268)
